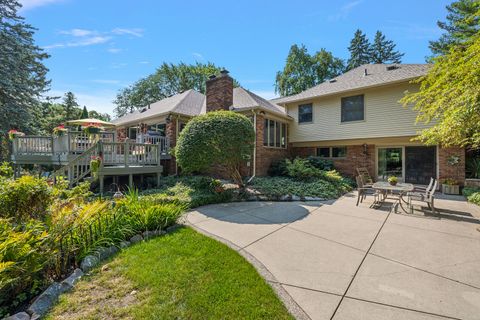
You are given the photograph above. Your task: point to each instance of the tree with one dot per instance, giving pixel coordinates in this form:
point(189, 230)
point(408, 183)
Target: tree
point(84, 114)
point(70, 104)
point(449, 97)
point(219, 138)
point(169, 79)
point(383, 50)
point(303, 71)
point(22, 73)
point(463, 22)
point(359, 50)
point(97, 115)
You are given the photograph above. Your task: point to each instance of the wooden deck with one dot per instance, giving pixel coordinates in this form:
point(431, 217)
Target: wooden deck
point(74, 152)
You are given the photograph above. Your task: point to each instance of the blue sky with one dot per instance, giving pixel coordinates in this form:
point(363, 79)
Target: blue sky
point(99, 47)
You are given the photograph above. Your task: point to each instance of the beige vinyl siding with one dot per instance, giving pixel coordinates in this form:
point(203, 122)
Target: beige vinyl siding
point(384, 117)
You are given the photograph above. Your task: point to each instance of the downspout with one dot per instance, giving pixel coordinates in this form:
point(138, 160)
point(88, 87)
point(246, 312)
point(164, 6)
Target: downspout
point(254, 147)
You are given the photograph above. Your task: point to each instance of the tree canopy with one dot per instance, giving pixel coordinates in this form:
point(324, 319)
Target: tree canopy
point(461, 24)
point(22, 73)
point(303, 71)
point(219, 138)
point(359, 49)
point(449, 97)
point(383, 50)
point(169, 79)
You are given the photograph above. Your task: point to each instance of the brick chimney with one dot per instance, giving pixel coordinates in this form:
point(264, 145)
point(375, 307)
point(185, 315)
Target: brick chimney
point(219, 92)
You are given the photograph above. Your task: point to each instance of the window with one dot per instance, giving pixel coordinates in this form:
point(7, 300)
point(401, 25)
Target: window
point(332, 152)
point(132, 133)
point(323, 152)
point(353, 108)
point(181, 125)
point(157, 129)
point(274, 134)
point(305, 113)
point(339, 152)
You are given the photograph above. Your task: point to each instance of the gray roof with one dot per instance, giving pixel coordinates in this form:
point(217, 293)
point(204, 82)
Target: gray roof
point(377, 75)
point(245, 100)
point(193, 103)
point(187, 103)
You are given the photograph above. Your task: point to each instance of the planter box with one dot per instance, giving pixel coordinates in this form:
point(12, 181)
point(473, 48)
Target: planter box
point(473, 183)
point(449, 189)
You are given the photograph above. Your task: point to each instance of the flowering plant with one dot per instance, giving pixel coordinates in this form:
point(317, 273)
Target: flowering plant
point(95, 162)
point(453, 160)
point(92, 128)
point(14, 133)
point(393, 180)
point(59, 130)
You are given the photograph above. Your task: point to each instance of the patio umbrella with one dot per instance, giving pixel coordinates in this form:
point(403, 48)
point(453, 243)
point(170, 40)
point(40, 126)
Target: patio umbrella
point(86, 122)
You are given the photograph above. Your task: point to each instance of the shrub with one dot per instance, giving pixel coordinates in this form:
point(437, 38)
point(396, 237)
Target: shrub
point(6, 170)
point(223, 138)
point(301, 169)
point(278, 168)
point(24, 254)
point(472, 195)
point(320, 163)
point(24, 198)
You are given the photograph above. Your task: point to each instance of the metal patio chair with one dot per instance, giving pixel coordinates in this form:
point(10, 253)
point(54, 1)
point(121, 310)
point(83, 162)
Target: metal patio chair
point(424, 197)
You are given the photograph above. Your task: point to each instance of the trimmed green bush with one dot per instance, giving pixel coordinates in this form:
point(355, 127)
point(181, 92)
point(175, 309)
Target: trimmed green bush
point(320, 163)
point(25, 198)
point(472, 195)
point(220, 138)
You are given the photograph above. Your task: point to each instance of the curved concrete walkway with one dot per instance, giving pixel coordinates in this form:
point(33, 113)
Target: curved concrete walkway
point(334, 260)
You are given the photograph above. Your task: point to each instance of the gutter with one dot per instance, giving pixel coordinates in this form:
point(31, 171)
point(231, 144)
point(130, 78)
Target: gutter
point(254, 147)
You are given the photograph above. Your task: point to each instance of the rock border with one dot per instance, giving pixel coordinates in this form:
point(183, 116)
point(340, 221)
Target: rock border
point(43, 302)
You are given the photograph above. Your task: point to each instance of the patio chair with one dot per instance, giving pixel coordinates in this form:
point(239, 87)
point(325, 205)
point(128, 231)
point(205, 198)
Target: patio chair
point(367, 179)
point(363, 191)
point(424, 197)
point(424, 189)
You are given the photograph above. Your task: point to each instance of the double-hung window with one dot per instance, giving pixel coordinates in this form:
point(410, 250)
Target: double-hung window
point(353, 108)
point(332, 152)
point(305, 113)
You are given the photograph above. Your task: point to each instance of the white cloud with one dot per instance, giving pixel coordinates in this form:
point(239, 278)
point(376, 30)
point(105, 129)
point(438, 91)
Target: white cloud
point(30, 4)
point(144, 62)
point(106, 81)
point(137, 32)
point(345, 10)
point(78, 32)
point(114, 50)
point(118, 65)
point(87, 41)
point(198, 56)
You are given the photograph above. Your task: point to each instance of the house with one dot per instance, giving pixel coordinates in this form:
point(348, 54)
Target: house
point(167, 117)
point(356, 120)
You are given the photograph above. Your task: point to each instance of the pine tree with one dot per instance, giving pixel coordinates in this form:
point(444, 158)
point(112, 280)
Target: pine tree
point(463, 22)
point(383, 50)
point(359, 50)
point(84, 113)
point(70, 104)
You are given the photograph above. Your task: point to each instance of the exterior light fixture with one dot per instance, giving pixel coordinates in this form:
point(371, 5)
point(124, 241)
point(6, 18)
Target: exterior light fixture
point(365, 149)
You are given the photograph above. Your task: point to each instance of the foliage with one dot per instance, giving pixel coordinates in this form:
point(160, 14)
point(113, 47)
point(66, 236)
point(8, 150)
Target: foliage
point(24, 254)
point(189, 191)
point(359, 50)
point(6, 170)
point(472, 194)
point(22, 73)
point(450, 182)
point(301, 169)
point(70, 103)
point(303, 71)
point(463, 22)
point(383, 50)
point(449, 97)
point(392, 180)
point(220, 138)
point(168, 80)
point(184, 275)
point(59, 130)
point(320, 163)
point(24, 198)
point(322, 188)
point(473, 168)
point(278, 168)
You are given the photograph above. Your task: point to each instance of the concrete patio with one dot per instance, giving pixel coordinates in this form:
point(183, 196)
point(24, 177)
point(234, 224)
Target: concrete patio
point(333, 260)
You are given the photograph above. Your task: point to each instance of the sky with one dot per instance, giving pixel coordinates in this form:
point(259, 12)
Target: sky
point(99, 47)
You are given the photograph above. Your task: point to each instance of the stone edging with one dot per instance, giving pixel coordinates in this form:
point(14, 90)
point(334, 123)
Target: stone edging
point(49, 297)
point(295, 310)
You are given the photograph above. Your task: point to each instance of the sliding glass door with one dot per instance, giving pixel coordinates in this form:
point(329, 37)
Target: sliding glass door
point(390, 162)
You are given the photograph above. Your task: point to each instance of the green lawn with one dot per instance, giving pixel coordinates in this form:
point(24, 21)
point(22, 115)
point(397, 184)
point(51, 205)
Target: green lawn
point(183, 275)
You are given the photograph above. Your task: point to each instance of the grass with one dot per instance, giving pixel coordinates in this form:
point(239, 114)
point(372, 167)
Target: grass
point(183, 275)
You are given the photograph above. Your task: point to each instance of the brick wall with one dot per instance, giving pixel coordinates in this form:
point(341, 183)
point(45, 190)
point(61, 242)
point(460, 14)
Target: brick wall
point(446, 170)
point(219, 93)
point(355, 158)
point(265, 156)
point(121, 134)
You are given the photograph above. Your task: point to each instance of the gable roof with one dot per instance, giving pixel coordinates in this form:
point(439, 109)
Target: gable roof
point(187, 103)
point(247, 100)
point(377, 75)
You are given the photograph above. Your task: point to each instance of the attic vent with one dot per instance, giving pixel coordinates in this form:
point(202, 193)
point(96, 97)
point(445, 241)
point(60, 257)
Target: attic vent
point(392, 67)
point(365, 73)
point(332, 80)
point(143, 110)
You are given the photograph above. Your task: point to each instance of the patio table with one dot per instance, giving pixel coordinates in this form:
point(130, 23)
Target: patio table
point(401, 189)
